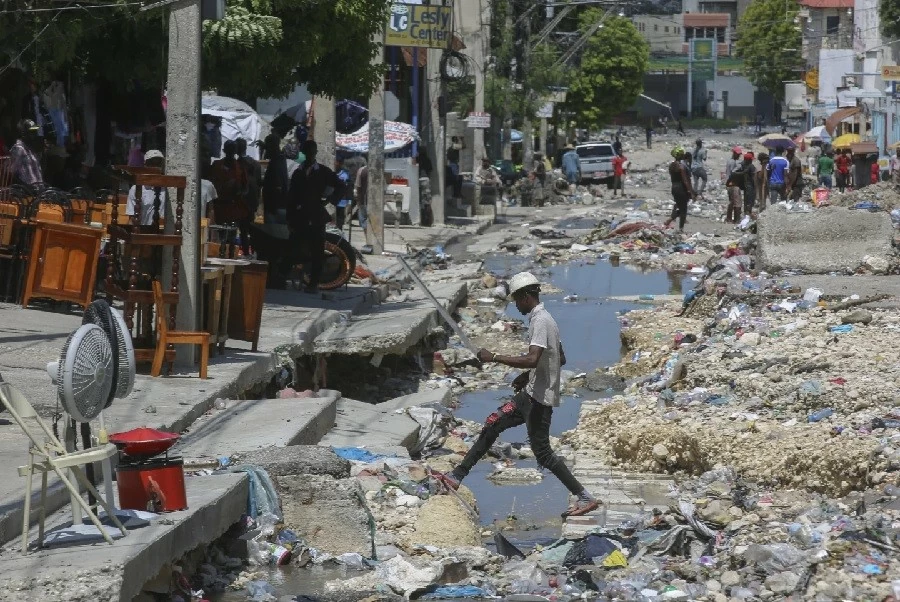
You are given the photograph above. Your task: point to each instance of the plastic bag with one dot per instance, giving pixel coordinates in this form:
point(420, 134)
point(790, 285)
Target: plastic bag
point(774, 558)
point(260, 591)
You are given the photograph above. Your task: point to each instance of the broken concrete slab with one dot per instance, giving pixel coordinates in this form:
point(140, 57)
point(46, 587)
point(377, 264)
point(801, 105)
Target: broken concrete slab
point(296, 460)
point(246, 425)
point(829, 239)
point(330, 514)
point(360, 424)
point(391, 328)
point(119, 571)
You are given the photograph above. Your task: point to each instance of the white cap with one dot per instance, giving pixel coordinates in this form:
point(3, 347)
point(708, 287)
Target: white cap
point(520, 281)
point(153, 154)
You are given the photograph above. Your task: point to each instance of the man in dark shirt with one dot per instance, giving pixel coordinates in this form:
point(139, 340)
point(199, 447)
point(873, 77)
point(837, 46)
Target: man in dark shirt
point(311, 184)
point(275, 183)
point(795, 175)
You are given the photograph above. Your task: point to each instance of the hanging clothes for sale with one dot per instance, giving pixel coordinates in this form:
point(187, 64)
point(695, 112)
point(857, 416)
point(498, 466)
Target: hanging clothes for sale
point(54, 99)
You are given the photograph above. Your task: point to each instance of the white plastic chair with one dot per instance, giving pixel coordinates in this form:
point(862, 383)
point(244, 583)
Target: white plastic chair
point(49, 454)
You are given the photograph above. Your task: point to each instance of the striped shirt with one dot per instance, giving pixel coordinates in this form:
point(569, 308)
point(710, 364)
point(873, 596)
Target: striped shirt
point(25, 165)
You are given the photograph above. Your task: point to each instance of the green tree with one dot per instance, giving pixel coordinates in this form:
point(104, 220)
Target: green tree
point(610, 75)
point(889, 14)
point(264, 48)
point(769, 42)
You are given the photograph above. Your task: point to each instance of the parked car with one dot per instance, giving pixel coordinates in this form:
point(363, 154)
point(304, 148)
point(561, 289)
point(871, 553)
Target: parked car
point(596, 162)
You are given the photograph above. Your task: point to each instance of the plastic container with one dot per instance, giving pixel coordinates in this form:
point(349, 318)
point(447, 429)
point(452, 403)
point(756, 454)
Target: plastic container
point(820, 415)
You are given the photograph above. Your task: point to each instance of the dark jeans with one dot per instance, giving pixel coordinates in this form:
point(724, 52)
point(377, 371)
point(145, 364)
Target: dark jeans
point(681, 205)
point(340, 216)
point(536, 418)
point(841, 180)
point(311, 237)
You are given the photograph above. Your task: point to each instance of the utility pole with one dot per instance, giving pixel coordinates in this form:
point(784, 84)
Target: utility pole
point(183, 156)
point(375, 193)
point(323, 129)
point(478, 150)
point(527, 130)
point(438, 133)
point(506, 124)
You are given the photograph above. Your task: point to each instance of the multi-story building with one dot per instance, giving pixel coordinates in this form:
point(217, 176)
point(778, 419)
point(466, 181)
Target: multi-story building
point(708, 25)
point(827, 24)
point(664, 33)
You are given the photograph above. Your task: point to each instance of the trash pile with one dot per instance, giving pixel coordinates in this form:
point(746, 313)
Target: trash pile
point(883, 196)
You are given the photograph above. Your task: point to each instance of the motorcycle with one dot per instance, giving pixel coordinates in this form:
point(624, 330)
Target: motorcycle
point(270, 241)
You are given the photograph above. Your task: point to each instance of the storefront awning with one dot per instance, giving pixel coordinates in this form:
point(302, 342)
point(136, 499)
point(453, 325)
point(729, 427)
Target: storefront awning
point(838, 116)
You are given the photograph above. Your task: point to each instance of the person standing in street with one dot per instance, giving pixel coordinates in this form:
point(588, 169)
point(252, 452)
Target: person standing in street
point(749, 183)
point(360, 197)
point(275, 183)
point(649, 131)
point(698, 168)
point(826, 169)
point(895, 167)
point(617, 145)
point(25, 164)
point(842, 167)
point(734, 184)
point(619, 173)
point(230, 180)
point(142, 210)
point(571, 165)
point(537, 394)
point(762, 181)
point(682, 191)
point(795, 175)
point(680, 129)
point(456, 145)
point(342, 201)
point(777, 171)
point(311, 185)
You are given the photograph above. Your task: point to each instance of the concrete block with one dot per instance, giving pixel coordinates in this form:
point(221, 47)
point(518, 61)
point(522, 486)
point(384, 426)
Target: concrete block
point(254, 424)
point(360, 424)
point(116, 572)
point(830, 239)
point(297, 460)
point(328, 513)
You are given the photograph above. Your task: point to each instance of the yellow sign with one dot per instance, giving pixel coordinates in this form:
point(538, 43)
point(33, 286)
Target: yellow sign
point(419, 26)
point(812, 79)
point(890, 73)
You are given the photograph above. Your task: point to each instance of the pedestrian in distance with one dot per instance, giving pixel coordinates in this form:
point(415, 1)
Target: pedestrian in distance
point(649, 130)
point(698, 168)
point(619, 162)
point(571, 165)
point(275, 183)
point(537, 394)
point(795, 175)
point(734, 185)
point(341, 201)
point(230, 179)
point(311, 186)
point(680, 127)
point(617, 145)
point(842, 170)
point(762, 181)
point(682, 191)
point(895, 167)
point(456, 145)
point(777, 171)
point(750, 184)
point(25, 154)
point(826, 169)
point(254, 181)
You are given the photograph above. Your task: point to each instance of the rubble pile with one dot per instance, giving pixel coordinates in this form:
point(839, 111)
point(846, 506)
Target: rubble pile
point(883, 196)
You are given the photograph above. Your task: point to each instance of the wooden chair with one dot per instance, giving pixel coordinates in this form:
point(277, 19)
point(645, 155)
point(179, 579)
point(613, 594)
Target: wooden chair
point(166, 337)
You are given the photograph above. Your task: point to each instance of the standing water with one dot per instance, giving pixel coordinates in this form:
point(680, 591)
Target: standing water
point(589, 329)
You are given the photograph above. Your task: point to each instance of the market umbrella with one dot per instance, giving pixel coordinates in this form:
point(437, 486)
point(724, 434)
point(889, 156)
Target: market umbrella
point(818, 133)
point(845, 140)
point(772, 137)
point(782, 142)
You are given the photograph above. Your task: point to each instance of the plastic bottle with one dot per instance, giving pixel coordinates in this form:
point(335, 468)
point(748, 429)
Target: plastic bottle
point(803, 534)
point(820, 415)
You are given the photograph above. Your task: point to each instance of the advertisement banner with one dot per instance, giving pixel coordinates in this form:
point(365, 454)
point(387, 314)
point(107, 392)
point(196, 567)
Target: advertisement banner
point(416, 25)
point(396, 136)
point(703, 59)
point(479, 120)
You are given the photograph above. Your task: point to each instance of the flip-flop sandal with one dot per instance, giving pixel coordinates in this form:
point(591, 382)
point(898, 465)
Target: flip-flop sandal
point(446, 480)
point(580, 508)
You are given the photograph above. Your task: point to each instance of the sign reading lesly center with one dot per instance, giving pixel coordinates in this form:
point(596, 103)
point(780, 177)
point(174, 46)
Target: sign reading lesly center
point(419, 25)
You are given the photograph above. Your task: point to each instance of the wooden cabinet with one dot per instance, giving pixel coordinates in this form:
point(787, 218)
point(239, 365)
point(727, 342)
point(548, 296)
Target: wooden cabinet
point(63, 262)
point(248, 292)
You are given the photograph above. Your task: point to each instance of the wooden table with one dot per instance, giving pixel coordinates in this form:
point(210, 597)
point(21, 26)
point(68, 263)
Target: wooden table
point(230, 266)
point(248, 294)
point(213, 281)
point(62, 262)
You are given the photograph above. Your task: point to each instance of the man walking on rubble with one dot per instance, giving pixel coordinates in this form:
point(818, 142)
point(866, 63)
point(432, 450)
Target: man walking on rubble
point(537, 394)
